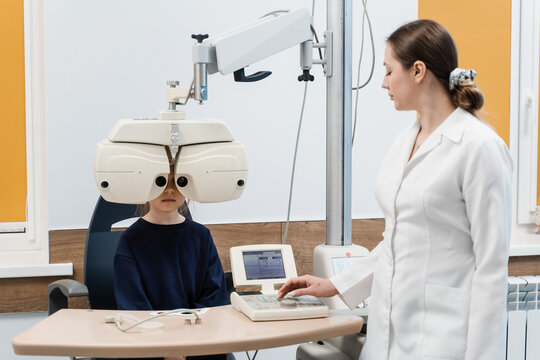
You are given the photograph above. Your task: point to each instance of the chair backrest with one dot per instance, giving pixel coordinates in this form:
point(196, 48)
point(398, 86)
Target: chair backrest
point(100, 248)
point(99, 252)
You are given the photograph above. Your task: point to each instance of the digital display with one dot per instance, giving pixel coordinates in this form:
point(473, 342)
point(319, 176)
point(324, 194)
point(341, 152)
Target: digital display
point(261, 265)
point(341, 264)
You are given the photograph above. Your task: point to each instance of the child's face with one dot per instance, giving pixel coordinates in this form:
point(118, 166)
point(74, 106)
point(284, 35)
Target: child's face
point(170, 199)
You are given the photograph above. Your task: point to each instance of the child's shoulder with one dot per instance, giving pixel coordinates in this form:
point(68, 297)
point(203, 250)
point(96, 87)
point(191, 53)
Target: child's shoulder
point(195, 226)
point(133, 228)
point(136, 224)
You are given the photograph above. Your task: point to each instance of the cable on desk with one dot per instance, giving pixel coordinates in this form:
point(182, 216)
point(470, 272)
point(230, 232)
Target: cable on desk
point(117, 319)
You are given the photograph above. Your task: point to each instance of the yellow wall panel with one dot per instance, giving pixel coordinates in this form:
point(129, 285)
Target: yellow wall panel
point(12, 113)
point(481, 30)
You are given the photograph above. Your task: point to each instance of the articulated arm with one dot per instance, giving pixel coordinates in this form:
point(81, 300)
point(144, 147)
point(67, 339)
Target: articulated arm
point(233, 50)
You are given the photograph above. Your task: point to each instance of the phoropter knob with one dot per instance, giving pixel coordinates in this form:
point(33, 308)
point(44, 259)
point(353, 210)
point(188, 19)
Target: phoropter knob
point(199, 37)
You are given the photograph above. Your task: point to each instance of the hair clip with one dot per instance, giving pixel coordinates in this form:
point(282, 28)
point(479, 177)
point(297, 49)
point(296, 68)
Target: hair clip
point(458, 75)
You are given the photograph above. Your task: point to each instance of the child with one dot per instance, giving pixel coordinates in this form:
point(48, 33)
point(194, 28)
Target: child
point(165, 261)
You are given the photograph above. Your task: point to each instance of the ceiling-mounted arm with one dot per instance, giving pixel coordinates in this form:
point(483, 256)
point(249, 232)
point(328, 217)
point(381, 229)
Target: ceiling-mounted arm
point(233, 50)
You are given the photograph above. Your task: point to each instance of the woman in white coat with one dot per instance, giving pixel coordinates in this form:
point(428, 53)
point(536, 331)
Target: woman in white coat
point(438, 278)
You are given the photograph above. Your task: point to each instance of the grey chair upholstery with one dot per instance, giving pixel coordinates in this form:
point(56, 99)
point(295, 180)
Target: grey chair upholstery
point(99, 253)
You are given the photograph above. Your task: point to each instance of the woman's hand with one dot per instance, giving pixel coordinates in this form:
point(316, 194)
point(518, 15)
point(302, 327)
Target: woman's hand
point(308, 285)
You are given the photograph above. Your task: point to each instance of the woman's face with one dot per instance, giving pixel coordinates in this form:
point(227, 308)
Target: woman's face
point(170, 199)
point(398, 81)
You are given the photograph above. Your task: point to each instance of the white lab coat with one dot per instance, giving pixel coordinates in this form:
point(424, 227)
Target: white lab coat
point(438, 279)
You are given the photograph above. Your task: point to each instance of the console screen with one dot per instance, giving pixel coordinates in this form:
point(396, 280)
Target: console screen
point(261, 265)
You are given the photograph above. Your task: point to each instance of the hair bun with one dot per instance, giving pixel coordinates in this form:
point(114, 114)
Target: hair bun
point(467, 96)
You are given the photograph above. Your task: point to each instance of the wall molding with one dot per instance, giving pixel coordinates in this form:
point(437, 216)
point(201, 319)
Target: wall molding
point(30, 294)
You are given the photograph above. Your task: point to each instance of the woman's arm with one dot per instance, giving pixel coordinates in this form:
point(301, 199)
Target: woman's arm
point(308, 285)
point(353, 286)
point(487, 189)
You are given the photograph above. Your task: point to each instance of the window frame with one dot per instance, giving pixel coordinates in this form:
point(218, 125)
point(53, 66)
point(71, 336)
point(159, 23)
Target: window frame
point(27, 253)
point(524, 124)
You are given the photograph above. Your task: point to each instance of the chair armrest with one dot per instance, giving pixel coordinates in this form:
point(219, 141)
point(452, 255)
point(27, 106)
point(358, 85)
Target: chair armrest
point(59, 292)
point(229, 281)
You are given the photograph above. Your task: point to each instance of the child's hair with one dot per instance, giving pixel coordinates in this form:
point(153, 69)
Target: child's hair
point(142, 209)
point(429, 42)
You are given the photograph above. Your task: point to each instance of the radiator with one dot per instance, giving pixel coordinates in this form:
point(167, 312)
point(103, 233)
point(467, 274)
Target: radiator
point(523, 333)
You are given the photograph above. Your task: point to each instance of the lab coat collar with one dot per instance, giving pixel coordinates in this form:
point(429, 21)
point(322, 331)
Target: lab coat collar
point(451, 128)
point(454, 125)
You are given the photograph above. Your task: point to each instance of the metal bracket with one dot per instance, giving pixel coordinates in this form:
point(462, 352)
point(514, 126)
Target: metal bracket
point(175, 138)
point(174, 94)
point(328, 47)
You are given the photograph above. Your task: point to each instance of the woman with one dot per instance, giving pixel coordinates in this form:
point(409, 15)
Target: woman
point(438, 279)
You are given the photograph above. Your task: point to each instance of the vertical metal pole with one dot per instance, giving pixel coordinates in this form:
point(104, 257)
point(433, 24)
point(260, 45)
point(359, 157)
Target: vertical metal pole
point(338, 125)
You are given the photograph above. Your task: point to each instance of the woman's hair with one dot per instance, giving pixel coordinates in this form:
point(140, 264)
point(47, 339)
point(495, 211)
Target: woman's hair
point(429, 42)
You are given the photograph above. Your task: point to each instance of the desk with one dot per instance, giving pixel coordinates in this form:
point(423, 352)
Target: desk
point(79, 332)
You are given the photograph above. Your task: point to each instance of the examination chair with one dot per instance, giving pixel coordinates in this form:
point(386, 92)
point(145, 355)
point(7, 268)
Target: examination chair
point(100, 248)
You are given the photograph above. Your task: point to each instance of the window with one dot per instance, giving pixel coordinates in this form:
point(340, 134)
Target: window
point(524, 124)
point(24, 245)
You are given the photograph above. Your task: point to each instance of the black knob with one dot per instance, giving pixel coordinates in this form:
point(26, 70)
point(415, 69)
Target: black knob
point(104, 184)
point(306, 76)
point(182, 181)
point(199, 37)
point(161, 181)
point(240, 182)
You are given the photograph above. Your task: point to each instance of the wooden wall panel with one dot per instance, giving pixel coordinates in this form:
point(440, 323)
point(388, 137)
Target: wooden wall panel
point(524, 265)
point(305, 236)
point(30, 294)
point(229, 235)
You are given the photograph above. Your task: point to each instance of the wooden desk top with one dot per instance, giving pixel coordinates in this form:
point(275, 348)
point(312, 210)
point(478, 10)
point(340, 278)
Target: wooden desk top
point(79, 332)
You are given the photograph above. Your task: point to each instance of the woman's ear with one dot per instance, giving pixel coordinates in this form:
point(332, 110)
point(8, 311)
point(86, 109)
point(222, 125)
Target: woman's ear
point(419, 71)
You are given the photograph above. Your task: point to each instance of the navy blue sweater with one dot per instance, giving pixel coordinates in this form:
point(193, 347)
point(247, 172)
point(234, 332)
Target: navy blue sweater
point(164, 267)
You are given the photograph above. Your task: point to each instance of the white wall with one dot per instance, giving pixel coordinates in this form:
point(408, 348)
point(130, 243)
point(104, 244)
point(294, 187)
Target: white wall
point(108, 60)
point(13, 324)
